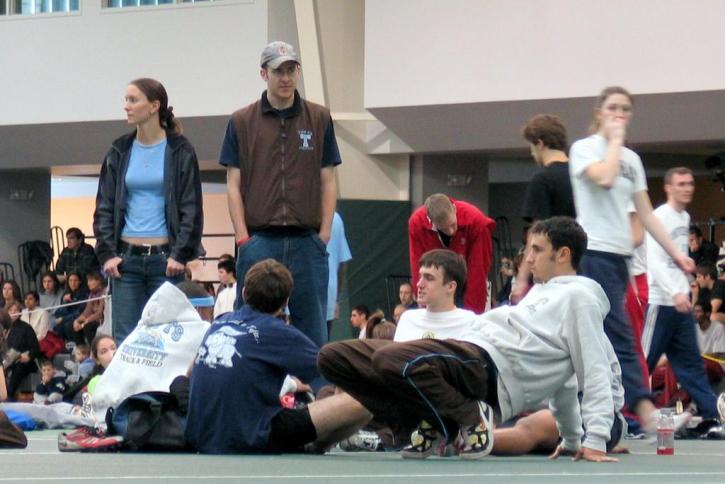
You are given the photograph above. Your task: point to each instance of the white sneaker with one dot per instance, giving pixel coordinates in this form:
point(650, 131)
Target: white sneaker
point(679, 419)
point(721, 406)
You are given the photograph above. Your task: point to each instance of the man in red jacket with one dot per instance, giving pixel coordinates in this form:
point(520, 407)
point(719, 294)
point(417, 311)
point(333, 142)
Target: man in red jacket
point(444, 223)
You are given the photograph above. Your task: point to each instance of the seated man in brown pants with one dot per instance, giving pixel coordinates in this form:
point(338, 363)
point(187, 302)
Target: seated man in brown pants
point(547, 348)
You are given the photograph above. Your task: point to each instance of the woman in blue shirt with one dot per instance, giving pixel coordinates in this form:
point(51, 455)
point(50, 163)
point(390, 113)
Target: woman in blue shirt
point(148, 220)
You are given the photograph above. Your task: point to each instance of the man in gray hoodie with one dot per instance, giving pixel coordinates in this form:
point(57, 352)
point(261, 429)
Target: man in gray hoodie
point(547, 348)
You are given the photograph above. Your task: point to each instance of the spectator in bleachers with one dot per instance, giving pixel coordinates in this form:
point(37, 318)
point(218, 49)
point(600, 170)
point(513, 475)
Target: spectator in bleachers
point(52, 292)
point(378, 327)
point(398, 312)
point(709, 290)
point(11, 293)
point(227, 287)
point(359, 319)
point(35, 316)
point(3, 385)
point(51, 387)
point(77, 256)
point(87, 323)
point(711, 341)
point(701, 249)
point(75, 291)
point(149, 205)
point(22, 348)
point(405, 294)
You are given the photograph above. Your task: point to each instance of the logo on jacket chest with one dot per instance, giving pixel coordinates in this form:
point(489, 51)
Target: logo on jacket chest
point(305, 140)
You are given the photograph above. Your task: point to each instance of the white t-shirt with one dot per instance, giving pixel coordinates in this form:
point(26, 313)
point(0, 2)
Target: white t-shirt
point(665, 279)
point(713, 339)
point(602, 212)
point(225, 300)
point(423, 324)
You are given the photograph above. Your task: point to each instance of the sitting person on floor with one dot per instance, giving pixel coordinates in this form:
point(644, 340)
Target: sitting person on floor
point(103, 348)
point(161, 347)
point(51, 386)
point(548, 347)
point(238, 372)
point(80, 366)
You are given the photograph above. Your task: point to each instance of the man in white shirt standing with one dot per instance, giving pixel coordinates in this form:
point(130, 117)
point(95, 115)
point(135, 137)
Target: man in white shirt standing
point(669, 326)
point(227, 294)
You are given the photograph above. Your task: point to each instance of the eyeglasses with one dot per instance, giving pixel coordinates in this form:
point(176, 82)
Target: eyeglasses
point(284, 71)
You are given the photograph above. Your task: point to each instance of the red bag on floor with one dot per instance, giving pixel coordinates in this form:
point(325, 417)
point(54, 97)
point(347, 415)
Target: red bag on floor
point(51, 345)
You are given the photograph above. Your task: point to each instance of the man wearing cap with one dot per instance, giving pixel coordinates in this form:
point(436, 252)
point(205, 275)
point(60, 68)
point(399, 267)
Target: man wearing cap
point(280, 154)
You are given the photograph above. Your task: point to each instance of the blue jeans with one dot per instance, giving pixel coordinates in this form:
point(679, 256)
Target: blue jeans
point(610, 271)
point(305, 255)
point(141, 275)
point(672, 333)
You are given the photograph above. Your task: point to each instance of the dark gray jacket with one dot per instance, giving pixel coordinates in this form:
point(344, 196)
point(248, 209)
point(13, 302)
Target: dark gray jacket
point(182, 190)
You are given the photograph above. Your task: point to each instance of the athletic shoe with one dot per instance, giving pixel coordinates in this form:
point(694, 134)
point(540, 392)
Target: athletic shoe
point(680, 420)
point(721, 406)
point(716, 433)
point(478, 438)
point(88, 439)
point(362, 440)
point(424, 442)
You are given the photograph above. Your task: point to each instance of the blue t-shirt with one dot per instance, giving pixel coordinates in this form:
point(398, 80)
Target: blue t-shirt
point(229, 154)
point(238, 373)
point(338, 252)
point(146, 205)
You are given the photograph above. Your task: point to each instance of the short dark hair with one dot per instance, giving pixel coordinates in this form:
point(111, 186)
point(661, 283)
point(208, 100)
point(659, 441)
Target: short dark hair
point(695, 230)
point(192, 289)
point(362, 309)
point(453, 266)
point(75, 232)
point(227, 265)
point(34, 294)
point(707, 269)
point(267, 286)
point(45, 362)
point(547, 128)
point(564, 232)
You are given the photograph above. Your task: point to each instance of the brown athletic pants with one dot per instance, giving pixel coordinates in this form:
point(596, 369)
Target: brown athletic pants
point(439, 381)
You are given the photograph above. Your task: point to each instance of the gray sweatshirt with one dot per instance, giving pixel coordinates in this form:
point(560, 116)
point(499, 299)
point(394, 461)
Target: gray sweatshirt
point(552, 340)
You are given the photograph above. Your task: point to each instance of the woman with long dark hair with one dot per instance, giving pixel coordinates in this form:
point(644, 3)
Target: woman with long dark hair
point(148, 220)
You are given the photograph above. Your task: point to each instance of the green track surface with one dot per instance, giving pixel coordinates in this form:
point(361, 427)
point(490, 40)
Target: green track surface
point(694, 461)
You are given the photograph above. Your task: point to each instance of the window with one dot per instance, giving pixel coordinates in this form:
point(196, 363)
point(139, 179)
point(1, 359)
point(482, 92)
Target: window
point(143, 3)
point(33, 7)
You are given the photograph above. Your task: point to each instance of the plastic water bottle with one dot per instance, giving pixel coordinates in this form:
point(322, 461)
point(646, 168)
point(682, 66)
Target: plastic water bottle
point(666, 433)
